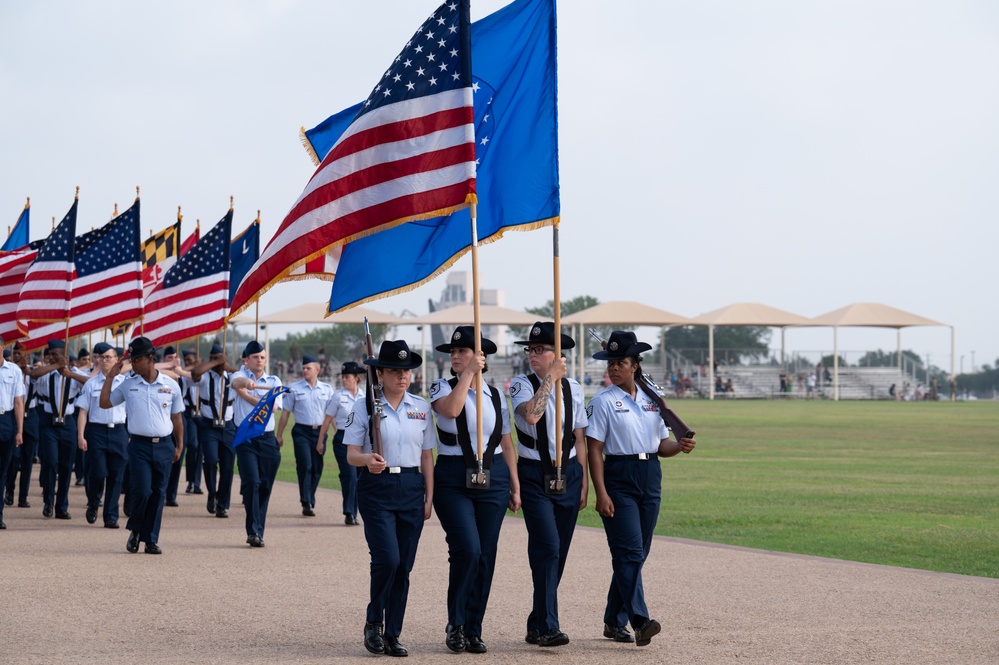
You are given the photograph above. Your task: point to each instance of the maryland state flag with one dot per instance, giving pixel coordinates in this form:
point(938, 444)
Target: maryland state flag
point(159, 253)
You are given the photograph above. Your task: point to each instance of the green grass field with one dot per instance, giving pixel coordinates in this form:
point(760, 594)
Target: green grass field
point(896, 483)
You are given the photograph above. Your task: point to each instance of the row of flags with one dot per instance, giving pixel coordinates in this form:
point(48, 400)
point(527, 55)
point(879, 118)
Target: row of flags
point(386, 210)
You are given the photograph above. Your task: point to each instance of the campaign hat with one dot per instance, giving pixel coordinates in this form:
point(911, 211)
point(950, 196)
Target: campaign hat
point(622, 344)
point(139, 347)
point(395, 355)
point(463, 337)
point(350, 367)
point(543, 332)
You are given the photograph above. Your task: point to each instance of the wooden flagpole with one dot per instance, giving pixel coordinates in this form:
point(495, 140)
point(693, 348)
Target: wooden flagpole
point(479, 477)
point(557, 299)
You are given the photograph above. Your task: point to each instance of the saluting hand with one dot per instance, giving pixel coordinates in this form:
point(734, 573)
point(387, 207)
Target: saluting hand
point(116, 368)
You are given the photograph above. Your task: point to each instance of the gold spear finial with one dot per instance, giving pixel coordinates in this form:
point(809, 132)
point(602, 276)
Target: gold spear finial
point(180, 217)
point(136, 192)
point(231, 199)
point(77, 197)
point(28, 204)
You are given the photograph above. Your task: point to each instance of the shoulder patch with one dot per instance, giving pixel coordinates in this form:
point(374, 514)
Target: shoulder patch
point(350, 420)
point(515, 388)
point(435, 388)
point(589, 410)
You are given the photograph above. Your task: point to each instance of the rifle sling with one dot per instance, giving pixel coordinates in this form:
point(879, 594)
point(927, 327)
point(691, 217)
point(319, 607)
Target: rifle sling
point(464, 438)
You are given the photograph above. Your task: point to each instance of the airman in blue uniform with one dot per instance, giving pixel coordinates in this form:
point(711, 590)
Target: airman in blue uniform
point(153, 407)
point(337, 411)
point(216, 428)
point(58, 388)
point(307, 401)
point(260, 457)
point(626, 436)
point(550, 509)
point(395, 490)
point(24, 455)
point(193, 456)
point(102, 435)
point(11, 416)
point(471, 513)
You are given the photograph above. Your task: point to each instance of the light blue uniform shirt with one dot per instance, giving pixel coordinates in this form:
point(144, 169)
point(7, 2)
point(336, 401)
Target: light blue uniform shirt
point(308, 403)
point(340, 406)
point(441, 388)
point(242, 408)
point(46, 380)
point(210, 387)
point(522, 391)
point(405, 433)
point(626, 426)
point(149, 405)
point(90, 401)
point(11, 385)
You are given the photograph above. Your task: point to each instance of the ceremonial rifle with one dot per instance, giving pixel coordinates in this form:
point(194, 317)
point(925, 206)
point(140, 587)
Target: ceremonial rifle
point(658, 395)
point(373, 398)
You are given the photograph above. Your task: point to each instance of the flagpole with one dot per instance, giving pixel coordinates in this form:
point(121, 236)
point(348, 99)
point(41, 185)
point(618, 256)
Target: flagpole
point(222, 392)
point(480, 478)
point(557, 299)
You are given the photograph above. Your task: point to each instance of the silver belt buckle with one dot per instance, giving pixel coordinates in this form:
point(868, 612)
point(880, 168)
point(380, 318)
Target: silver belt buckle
point(110, 425)
point(395, 469)
point(3, 412)
point(643, 456)
point(315, 427)
point(155, 439)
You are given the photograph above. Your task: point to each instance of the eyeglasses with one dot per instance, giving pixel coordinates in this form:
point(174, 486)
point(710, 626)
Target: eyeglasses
point(106, 357)
point(538, 350)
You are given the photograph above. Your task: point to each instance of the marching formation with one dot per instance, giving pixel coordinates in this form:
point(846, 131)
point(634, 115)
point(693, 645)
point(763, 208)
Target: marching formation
point(133, 422)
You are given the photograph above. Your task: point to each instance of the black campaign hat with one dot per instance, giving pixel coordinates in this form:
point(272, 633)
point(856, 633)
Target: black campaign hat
point(395, 355)
point(139, 347)
point(543, 332)
point(622, 344)
point(463, 337)
point(350, 367)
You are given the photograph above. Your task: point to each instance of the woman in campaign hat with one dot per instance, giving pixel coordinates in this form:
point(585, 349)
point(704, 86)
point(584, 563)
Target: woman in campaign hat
point(395, 489)
point(470, 513)
point(549, 511)
point(624, 438)
point(337, 411)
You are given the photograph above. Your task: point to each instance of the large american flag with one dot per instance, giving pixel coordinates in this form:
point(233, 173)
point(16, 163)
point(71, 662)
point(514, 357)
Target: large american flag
point(48, 285)
point(13, 269)
point(409, 154)
point(193, 298)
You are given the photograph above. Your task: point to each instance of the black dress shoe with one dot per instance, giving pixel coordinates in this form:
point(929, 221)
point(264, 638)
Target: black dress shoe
point(23, 504)
point(91, 515)
point(47, 510)
point(618, 633)
point(197, 490)
point(455, 640)
point(172, 503)
point(190, 488)
point(531, 637)
point(8, 498)
point(63, 515)
point(110, 524)
point(350, 520)
point(80, 482)
point(474, 644)
point(132, 546)
point(394, 647)
point(373, 640)
point(645, 634)
point(221, 512)
point(307, 510)
point(553, 638)
point(153, 548)
point(2, 525)
point(211, 502)
point(255, 541)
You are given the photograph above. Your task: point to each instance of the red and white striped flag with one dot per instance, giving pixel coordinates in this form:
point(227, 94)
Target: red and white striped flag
point(408, 155)
point(48, 286)
point(193, 298)
point(13, 269)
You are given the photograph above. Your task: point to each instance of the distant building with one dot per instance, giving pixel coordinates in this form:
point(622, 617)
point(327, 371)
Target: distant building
point(458, 291)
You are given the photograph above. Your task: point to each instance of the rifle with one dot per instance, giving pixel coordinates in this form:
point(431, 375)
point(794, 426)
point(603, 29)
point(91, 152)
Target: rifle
point(373, 397)
point(658, 395)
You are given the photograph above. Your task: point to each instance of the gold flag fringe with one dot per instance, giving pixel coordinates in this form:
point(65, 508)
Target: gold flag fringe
point(307, 144)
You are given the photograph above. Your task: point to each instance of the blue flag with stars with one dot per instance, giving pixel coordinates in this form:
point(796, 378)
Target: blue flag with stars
point(517, 180)
point(256, 420)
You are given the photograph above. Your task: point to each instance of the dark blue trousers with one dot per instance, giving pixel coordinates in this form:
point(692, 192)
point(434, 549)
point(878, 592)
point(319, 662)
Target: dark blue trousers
point(392, 508)
point(472, 521)
point(259, 459)
point(220, 460)
point(635, 487)
point(348, 475)
point(550, 520)
point(190, 437)
point(192, 443)
point(148, 471)
point(8, 431)
point(56, 454)
point(308, 462)
point(107, 453)
point(24, 457)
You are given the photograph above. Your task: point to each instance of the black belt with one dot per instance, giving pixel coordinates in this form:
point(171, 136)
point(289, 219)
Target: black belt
point(149, 439)
point(402, 469)
point(312, 427)
point(4, 412)
point(640, 456)
point(107, 425)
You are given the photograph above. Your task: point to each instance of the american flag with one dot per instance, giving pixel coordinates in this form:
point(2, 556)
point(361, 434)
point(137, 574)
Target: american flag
point(45, 294)
point(13, 269)
point(193, 298)
point(409, 154)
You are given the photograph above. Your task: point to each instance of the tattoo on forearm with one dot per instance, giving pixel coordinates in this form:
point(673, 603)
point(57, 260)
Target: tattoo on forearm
point(536, 405)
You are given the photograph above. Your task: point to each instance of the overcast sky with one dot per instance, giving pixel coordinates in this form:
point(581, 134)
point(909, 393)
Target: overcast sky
point(805, 155)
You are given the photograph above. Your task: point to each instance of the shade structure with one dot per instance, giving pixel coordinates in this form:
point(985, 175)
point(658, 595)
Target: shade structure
point(745, 314)
point(316, 313)
point(489, 315)
point(625, 313)
point(874, 315)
